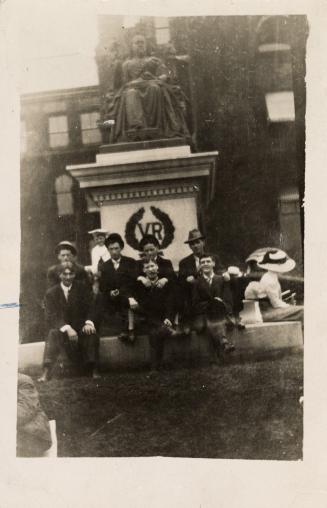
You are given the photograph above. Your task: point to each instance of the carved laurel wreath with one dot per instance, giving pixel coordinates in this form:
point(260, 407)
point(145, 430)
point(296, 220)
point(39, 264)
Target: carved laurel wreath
point(161, 216)
point(130, 228)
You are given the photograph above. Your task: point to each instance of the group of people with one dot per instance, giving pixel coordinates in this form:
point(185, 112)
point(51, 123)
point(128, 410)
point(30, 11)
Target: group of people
point(203, 297)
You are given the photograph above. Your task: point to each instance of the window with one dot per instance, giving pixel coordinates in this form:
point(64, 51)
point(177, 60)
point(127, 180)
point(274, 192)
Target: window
point(162, 30)
point(58, 131)
point(280, 106)
point(90, 131)
point(63, 187)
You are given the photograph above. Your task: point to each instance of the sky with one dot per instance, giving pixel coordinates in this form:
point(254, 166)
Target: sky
point(56, 47)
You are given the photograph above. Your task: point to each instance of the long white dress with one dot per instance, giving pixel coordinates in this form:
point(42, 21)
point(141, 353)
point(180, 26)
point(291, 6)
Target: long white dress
point(273, 308)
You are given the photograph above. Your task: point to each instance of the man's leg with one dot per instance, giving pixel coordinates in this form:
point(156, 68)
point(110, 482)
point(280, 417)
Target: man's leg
point(217, 333)
point(53, 345)
point(157, 337)
point(89, 345)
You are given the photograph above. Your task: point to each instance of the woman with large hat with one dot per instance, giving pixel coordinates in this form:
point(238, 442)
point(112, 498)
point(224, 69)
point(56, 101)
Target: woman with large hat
point(268, 290)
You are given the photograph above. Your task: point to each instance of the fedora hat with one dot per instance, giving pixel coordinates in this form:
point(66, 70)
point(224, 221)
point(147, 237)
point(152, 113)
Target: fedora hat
point(66, 245)
point(193, 235)
point(277, 261)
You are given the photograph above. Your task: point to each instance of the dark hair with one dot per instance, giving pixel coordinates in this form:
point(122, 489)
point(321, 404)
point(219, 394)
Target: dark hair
point(66, 265)
point(148, 239)
point(207, 255)
point(113, 238)
point(147, 261)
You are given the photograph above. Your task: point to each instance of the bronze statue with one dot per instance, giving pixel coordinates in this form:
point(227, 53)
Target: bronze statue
point(146, 103)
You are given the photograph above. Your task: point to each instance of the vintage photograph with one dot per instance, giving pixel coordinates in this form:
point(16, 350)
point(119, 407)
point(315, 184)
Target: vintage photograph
point(162, 236)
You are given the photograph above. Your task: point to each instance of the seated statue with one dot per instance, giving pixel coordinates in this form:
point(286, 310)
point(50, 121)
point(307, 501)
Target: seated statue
point(145, 103)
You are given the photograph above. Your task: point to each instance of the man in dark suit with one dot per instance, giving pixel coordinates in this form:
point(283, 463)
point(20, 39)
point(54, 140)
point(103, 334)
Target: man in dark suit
point(66, 252)
point(156, 304)
point(188, 272)
point(117, 278)
point(211, 304)
point(69, 313)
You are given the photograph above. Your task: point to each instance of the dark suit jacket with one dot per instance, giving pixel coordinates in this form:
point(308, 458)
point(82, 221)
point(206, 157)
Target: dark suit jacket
point(78, 309)
point(165, 266)
point(203, 297)
point(187, 267)
point(123, 278)
point(80, 275)
point(155, 304)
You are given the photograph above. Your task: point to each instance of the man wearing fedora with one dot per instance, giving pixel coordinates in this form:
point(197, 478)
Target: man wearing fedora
point(66, 252)
point(188, 272)
point(268, 290)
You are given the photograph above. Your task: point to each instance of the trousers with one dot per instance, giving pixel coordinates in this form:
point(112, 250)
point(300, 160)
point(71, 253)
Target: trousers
point(216, 329)
point(57, 342)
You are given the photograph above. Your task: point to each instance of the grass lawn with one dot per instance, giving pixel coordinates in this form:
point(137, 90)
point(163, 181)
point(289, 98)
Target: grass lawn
point(241, 411)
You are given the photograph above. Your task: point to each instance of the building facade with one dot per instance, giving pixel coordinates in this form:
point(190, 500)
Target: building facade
point(245, 82)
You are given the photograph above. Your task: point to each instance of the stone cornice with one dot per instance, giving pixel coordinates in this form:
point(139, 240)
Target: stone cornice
point(161, 192)
point(96, 175)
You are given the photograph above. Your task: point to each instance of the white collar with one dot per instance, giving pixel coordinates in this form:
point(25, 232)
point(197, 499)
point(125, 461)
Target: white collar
point(65, 289)
point(208, 278)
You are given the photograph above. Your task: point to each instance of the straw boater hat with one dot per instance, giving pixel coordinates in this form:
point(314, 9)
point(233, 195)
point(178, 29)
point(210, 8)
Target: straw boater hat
point(66, 245)
point(193, 235)
point(277, 261)
point(98, 231)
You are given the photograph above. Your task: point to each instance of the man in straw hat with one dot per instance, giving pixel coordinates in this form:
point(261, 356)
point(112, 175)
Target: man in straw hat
point(66, 252)
point(268, 290)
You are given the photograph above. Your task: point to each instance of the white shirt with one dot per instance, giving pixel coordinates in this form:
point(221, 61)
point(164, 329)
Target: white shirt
point(197, 262)
point(267, 287)
point(116, 263)
point(98, 252)
point(65, 289)
point(208, 278)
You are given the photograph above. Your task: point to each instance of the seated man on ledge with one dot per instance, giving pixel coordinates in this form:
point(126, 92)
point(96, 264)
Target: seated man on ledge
point(155, 302)
point(70, 313)
point(117, 278)
point(210, 306)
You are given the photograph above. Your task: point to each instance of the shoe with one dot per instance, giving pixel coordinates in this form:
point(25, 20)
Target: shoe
point(227, 347)
point(123, 336)
point(96, 374)
point(131, 336)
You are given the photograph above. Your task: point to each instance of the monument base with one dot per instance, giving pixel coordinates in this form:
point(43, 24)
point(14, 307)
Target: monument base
point(256, 342)
point(150, 187)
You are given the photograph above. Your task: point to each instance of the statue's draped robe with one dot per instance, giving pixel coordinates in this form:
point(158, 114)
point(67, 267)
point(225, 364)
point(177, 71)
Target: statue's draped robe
point(145, 101)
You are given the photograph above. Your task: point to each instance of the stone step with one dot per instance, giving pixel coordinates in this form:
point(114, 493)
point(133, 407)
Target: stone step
point(255, 342)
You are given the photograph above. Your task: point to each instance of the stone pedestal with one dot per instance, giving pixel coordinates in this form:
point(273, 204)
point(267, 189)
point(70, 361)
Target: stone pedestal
point(157, 187)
